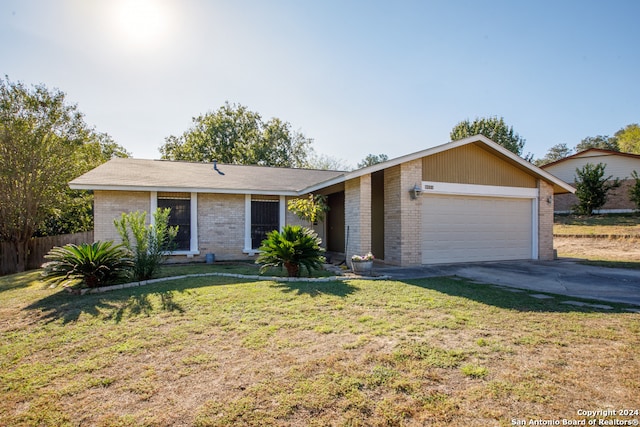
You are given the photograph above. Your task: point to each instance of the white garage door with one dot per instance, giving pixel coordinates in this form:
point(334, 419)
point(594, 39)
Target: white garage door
point(467, 229)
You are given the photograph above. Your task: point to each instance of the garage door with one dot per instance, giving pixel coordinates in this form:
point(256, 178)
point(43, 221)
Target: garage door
point(467, 229)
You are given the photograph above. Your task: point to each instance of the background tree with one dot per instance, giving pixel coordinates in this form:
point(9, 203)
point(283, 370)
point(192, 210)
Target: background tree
point(634, 191)
point(234, 134)
point(603, 142)
point(44, 143)
point(372, 159)
point(493, 128)
point(555, 153)
point(74, 212)
point(629, 138)
point(592, 188)
point(325, 162)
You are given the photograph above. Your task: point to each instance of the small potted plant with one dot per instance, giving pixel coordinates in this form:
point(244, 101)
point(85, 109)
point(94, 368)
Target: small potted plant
point(362, 264)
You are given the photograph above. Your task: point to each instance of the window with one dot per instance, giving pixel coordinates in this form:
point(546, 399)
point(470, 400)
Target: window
point(180, 215)
point(265, 217)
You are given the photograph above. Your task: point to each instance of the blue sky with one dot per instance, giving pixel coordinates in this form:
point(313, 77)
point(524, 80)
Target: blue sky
point(358, 77)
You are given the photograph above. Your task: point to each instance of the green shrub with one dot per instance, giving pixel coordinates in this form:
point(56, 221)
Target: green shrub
point(592, 188)
point(634, 191)
point(96, 264)
point(293, 248)
point(148, 245)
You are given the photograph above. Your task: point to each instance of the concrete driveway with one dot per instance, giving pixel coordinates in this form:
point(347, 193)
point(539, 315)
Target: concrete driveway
point(564, 277)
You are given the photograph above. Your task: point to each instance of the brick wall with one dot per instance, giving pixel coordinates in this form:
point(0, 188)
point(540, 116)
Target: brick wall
point(618, 199)
point(109, 205)
point(221, 226)
point(402, 216)
point(545, 221)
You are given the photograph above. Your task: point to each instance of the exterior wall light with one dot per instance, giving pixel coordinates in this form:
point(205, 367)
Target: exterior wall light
point(415, 192)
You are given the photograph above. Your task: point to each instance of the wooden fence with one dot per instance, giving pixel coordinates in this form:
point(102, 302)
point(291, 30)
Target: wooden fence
point(38, 248)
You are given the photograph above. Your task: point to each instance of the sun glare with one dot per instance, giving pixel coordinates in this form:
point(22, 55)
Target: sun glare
point(141, 22)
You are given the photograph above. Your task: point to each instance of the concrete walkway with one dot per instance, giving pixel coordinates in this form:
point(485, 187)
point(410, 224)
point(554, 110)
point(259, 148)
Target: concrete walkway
point(563, 277)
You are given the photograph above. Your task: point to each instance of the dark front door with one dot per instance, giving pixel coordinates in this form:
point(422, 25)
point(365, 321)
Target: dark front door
point(335, 222)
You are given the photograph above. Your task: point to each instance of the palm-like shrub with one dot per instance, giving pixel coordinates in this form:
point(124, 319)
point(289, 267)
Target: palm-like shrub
point(294, 248)
point(96, 264)
point(149, 245)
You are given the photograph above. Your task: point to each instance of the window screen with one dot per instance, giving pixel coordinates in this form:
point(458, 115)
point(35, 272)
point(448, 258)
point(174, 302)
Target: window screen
point(180, 216)
point(265, 217)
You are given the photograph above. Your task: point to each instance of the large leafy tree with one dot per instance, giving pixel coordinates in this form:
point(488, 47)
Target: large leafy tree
point(234, 134)
point(493, 128)
point(372, 159)
point(603, 142)
point(629, 138)
point(44, 143)
point(555, 153)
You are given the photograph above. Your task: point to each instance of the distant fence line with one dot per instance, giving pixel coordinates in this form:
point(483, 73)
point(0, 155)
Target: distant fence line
point(38, 248)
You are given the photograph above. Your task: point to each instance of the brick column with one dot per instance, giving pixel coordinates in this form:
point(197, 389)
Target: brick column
point(357, 205)
point(402, 216)
point(545, 220)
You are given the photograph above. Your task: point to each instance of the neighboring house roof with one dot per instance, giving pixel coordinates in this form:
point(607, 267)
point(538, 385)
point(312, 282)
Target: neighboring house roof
point(618, 165)
point(162, 175)
point(592, 152)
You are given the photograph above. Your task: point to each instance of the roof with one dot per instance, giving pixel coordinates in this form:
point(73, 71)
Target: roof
point(592, 152)
point(163, 175)
point(559, 186)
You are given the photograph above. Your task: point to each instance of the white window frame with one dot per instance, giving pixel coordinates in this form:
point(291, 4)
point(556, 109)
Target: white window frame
point(193, 246)
point(247, 221)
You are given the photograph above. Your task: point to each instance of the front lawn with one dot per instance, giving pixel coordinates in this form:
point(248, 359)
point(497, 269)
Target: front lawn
point(627, 224)
point(215, 351)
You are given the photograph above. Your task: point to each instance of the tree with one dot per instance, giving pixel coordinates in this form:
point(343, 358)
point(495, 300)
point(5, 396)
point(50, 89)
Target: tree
point(44, 143)
point(592, 188)
point(629, 138)
point(234, 134)
point(603, 142)
point(634, 191)
point(372, 159)
point(493, 128)
point(325, 162)
point(555, 153)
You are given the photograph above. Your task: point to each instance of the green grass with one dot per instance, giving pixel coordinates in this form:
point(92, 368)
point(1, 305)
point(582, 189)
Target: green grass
point(217, 351)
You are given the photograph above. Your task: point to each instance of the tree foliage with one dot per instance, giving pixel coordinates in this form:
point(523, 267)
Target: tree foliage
point(44, 143)
point(372, 159)
point(233, 134)
point(603, 142)
point(629, 139)
point(592, 188)
point(555, 153)
point(148, 244)
point(311, 209)
point(493, 128)
point(634, 191)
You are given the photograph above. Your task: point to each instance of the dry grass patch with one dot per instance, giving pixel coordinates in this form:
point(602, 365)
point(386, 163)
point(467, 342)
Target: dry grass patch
point(220, 352)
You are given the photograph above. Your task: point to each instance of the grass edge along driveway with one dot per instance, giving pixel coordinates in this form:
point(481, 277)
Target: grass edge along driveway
point(219, 351)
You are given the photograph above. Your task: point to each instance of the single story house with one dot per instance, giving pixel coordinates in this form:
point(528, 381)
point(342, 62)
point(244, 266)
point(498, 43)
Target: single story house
point(618, 165)
point(468, 200)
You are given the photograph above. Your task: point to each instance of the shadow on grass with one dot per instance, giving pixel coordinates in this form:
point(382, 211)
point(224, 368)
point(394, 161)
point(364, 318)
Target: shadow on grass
point(513, 299)
point(337, 288)
point(18, 280)
point(634, 265)
point(118, 304)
